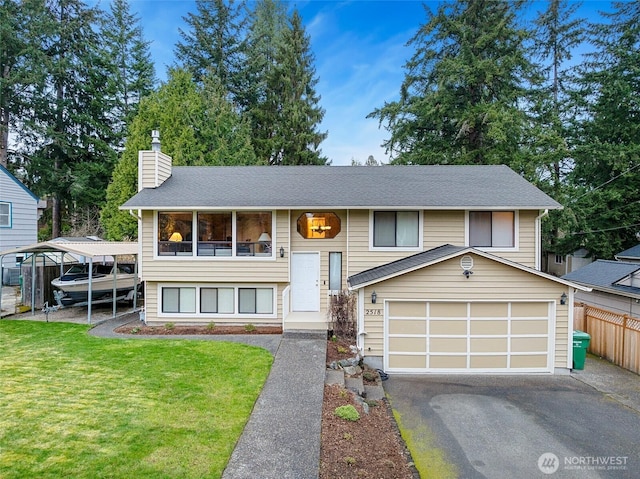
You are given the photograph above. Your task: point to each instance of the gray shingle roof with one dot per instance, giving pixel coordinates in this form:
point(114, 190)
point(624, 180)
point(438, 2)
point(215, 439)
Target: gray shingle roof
point(603, 274)
point(428, 187)
point(631, 253)
point(404, 264)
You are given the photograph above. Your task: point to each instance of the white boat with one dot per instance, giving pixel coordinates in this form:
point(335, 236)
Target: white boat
point(74, 283)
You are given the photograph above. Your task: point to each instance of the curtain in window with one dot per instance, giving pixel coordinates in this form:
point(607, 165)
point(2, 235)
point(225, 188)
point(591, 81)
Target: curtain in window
point(479, 228)
point(502, 226)
point(407, 228)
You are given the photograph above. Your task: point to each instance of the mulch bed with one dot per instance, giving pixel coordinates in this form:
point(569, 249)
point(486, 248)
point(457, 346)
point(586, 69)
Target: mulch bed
point(196, 330)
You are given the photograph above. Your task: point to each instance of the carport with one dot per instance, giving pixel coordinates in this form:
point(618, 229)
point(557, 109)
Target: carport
point(89, 250)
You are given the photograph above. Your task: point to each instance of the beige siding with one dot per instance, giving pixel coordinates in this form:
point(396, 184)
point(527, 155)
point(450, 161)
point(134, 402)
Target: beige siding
point(324, 247)
point(526, 253)
point(443, 227)
point(149, 162)
point(211, 269)
point(490, 281)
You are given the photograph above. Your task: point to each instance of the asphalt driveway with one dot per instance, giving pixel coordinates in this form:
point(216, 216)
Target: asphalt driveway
point(512, 426)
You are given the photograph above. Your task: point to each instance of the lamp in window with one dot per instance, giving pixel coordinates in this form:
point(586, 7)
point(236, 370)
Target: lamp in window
point(176, 236)
point(265, 240)
point(563, 298)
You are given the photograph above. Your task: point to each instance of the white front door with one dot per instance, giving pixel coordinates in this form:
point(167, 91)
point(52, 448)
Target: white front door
point(305, 281)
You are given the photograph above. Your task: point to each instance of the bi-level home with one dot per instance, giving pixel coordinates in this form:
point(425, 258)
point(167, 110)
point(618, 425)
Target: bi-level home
point(444, 260)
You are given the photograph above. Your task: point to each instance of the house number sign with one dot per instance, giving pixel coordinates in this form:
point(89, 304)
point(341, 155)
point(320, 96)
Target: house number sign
point(372, 312)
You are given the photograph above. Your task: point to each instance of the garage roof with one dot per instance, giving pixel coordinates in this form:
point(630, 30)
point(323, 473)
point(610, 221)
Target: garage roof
point(437, 255)
point(282, 187)
point(604, 275)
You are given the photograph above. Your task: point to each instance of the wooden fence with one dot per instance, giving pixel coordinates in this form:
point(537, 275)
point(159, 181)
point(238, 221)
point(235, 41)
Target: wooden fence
point(615, 337)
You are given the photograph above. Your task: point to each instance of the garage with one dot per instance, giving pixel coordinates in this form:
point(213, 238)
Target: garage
point(468, 336)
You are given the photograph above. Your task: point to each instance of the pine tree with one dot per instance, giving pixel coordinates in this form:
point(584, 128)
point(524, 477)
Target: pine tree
point(132, 74)
point(607, 156)
point(67, 134)
point(459, 101)
point(292, 87)
point(213, 42)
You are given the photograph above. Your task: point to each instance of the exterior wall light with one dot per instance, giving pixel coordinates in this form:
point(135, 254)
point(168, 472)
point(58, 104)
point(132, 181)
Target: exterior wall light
point(281, 251)
point(563, 298)
point(374, 297)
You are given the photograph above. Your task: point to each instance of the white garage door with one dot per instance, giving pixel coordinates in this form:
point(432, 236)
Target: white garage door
point(468, 336)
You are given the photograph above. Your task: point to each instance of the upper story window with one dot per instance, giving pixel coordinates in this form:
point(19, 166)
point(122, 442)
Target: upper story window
point(492, 229)
point(242, 233)
point(318, 225)
point(5, 214)
point(396, 229)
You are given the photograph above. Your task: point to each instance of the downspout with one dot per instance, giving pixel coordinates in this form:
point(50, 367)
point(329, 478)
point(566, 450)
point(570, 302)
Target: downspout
point(538, 245)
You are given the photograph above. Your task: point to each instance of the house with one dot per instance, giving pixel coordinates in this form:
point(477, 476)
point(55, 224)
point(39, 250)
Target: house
point(631, 255)
point(559, 264)
point(18, 219)
point(444, 260)
point(615, 284)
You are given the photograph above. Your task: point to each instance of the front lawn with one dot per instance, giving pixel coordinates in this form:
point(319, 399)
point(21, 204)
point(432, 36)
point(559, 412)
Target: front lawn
point(72, 405)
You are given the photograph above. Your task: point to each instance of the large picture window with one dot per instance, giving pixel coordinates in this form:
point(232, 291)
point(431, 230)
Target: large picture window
point(244, 233)
point(396, 229)
point(492, 229)
point(178, 300)
point(5, 214)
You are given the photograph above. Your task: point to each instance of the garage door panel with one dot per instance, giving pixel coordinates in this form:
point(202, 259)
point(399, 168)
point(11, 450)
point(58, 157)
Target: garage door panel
point(407, 309)
point(489, 327)
point(529, 326)
point(523, 345)
point(446, 345)
point(447, 362)
point(529, 310)
point(489, 362)
point(407, 326)
point(452, 327)
point(489, 310)
point(489, 345)
point(448, 310)
point(529, 361)
point(408, 345)
point(397, 361)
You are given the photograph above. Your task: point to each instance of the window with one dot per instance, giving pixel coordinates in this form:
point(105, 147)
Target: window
point(178, 300)
point(396, 229)
point(493, 229)
point(335, 271)
point(217, 300)
point(255, 300)
point(175, 233)
point(217, 233)
point(5, 214)
point(559, 259)
point(318, 225)
point(221, 300)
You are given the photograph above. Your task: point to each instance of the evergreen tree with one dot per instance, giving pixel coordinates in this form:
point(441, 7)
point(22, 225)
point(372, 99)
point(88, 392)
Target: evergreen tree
point(459, 101)
point(198, 126)
point(607, 156)
point(292, 87)
point(22, 62)
point(558, 33)
point(267, 22)
point(67, 134)
point(132, 74)
point(214, 42)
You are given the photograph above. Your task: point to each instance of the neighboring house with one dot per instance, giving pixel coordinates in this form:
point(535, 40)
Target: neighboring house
point(615, 285)
point(559, 265)
point(18, 216)
point(444, 259)
point(631, 255)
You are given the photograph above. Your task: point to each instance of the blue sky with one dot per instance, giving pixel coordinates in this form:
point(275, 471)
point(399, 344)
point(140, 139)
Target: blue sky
point(360, 49)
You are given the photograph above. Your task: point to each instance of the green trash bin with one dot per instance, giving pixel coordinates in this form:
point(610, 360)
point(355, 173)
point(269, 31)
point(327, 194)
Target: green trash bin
point(580, 345)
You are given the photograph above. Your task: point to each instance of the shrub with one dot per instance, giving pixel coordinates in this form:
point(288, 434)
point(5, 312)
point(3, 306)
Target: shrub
point(342, 313)
point(169, 326)
point(347, 412)
point(249, 327)
point(211, 326)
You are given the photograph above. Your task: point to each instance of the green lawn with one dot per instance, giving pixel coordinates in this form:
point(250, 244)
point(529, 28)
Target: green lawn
point(72, 405)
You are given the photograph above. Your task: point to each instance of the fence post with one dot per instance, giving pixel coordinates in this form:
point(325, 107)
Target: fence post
point(624, 333)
